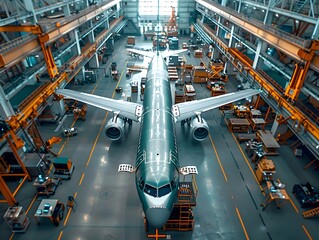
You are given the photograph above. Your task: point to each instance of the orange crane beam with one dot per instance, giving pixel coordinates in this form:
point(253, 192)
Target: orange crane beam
point(30, 111)
point(300, 72)
point(43, 38)
point(35, 29)
point(241, 63)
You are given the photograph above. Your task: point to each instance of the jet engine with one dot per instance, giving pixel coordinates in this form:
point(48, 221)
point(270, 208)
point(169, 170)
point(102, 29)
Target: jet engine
point(114, 128)
point(199, 128)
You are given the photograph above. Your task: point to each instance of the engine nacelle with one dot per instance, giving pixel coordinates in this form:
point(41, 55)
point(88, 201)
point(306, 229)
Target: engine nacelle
point(199, 128)
point(114, 128)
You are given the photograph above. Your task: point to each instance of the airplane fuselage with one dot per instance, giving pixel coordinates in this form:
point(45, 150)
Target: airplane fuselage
point(157, 161)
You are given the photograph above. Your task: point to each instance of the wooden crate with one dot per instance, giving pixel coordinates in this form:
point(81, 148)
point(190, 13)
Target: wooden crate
point(238, 125)
point(198, 53)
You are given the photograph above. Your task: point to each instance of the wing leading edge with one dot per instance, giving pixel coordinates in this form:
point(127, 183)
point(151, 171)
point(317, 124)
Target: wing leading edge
point(151, 54)
point(123, 108)
point(186, 110)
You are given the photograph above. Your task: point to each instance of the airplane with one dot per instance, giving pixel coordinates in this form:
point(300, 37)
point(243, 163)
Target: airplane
point(157, 168)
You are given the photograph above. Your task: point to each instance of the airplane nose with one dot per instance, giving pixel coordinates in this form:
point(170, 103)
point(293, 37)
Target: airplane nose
point(157, 217)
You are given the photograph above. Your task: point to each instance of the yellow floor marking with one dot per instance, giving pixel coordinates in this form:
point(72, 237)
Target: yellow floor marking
point(102, 125)
point(91, 153)
point(294, 206)
point(69, 211)
point(35, 197)
point(292, 203)
point(219, 162)
point(60, 235)
point(242, 224)
point(95, 141)
point(306, 231)
point(248, 164)
point(80, 182)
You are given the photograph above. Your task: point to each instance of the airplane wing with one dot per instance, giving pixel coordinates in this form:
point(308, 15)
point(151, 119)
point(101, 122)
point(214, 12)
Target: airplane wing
point(151, 54)
point(126, 109)
point(186, 110)
point(141, 52)
point(171, 53)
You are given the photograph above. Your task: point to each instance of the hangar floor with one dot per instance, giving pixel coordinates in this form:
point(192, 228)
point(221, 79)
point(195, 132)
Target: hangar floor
point(229, 197)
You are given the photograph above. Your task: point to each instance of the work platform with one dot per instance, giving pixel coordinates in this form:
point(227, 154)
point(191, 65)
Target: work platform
point(182, 216)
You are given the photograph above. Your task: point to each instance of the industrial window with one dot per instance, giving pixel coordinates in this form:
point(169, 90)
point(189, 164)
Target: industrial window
point(150, 7)
point(162, 191)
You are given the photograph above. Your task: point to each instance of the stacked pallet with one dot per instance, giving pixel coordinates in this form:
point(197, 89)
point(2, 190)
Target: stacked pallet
point(143, 82)
point(198, 53)
point(130, 40)
point(172, 73)
point(199, 74)
point(134, 87)
point(190, 93)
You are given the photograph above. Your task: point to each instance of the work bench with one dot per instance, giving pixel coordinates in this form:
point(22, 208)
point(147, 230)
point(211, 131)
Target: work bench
point(257, 123)
point(238, 125)
point(279, 195)
point(244, 137)
point(51, 209)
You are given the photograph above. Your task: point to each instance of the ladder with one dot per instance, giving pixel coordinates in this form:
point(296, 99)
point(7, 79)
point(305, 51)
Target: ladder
point(296, 144)
point(311, 212)
point(298, 5)
point(184, 217)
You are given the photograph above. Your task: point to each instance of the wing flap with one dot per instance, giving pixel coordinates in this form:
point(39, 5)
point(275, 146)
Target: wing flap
point(186, 110)
point(126, 109)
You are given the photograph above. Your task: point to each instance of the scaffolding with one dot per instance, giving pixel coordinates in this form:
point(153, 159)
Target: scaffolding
point(182, 217)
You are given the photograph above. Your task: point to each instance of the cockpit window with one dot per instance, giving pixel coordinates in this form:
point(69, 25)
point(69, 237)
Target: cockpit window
point(141, 183)
point(173, 184)
point(162, 191)
point(150, 190)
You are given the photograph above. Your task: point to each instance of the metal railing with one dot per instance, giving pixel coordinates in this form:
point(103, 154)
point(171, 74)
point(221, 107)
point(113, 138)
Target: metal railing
point(16, 42)
point(283, 34)
point(48, 27)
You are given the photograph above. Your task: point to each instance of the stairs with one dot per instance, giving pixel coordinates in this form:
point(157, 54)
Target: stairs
point(299, 5)
point(296, 144)
point(311, 213)
point(182, 217)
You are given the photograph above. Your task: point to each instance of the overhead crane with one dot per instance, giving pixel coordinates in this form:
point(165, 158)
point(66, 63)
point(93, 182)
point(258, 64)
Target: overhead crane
point(301, 122)
point(300, 49)
point(43, 38)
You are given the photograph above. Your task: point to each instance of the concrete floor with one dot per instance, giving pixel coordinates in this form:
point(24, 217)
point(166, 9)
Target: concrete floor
point(229, 198)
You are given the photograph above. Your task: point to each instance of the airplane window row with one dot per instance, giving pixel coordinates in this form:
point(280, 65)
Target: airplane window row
point(156, 192)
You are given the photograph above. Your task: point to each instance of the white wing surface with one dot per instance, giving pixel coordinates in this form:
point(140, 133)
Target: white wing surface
point(126, 109)
point(186, 110)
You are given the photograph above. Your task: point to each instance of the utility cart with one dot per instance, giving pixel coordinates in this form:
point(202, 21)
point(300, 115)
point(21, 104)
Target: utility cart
point(63, 167)
point(46, 185)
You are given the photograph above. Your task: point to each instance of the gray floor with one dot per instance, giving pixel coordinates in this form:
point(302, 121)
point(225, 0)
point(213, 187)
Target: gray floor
point(229, 198)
